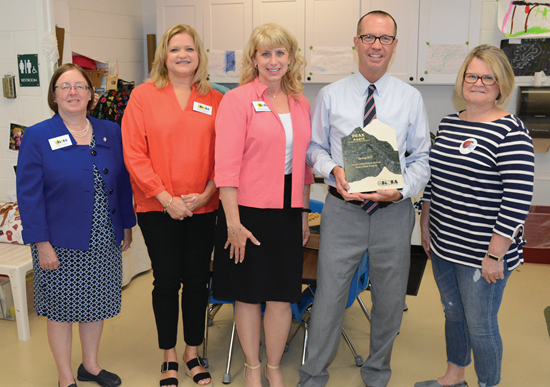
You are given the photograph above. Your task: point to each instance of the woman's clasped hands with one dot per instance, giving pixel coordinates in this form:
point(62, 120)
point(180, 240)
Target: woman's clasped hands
point(179, 208)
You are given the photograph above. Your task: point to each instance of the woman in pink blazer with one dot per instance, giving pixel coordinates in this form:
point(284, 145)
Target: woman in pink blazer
point(262, 134)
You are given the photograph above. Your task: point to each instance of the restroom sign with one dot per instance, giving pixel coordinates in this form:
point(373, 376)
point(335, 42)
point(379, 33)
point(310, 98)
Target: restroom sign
point(27, 66)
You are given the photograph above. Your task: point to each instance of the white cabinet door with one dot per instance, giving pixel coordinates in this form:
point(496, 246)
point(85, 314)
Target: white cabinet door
point(227, 28)
point(330, 28)
point(287, 13)
point(448, 30)
point(405, 13)
point(172, 12)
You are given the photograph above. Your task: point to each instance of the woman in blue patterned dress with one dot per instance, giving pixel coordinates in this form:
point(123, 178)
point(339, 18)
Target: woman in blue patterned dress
point(475, 205)
point(75, 201)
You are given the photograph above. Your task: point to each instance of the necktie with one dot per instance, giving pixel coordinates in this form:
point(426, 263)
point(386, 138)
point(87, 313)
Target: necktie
point(370, 114)
point(370, 107)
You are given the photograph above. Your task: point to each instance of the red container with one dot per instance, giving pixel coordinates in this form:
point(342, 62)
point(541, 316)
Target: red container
point(537, 234)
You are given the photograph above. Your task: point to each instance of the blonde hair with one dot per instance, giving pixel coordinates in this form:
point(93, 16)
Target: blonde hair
point(159, 72)
point(498, 64)
point(270, 36)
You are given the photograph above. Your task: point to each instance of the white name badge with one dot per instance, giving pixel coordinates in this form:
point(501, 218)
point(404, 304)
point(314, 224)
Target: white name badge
point(260, 106)
point(60, 142)
point(202, 108)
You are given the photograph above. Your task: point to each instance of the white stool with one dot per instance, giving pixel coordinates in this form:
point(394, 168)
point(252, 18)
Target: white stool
point(15, 262)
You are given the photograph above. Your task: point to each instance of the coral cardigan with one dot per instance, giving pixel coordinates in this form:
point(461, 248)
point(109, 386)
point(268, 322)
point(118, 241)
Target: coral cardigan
point(55, 188)
point(251, 147)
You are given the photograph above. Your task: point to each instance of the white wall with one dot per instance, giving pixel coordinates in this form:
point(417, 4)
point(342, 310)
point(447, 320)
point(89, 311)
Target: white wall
point(110, 31)
point(62, 18)
point(149, 27)
point(22, 27)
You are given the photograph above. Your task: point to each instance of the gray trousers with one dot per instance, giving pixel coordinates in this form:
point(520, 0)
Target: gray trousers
point(346, 233)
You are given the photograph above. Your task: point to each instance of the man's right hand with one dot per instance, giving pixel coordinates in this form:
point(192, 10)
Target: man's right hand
point(342, 185)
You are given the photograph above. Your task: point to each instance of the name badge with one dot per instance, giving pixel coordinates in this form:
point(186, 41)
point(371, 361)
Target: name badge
point(468, 146)
point(60, 142)
point(202, 108)
point(260, 106)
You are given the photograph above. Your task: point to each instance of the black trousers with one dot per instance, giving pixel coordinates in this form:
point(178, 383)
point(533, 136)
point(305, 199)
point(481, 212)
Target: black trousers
point(180, 253)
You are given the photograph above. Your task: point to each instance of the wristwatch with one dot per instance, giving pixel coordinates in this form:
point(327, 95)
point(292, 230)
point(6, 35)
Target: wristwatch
point(499, 259)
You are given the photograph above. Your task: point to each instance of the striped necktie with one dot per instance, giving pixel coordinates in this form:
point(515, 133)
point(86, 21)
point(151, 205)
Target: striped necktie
point(370, 107)
point(370, 114)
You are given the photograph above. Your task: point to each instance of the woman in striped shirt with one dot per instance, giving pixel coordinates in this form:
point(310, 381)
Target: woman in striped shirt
point(475, 205)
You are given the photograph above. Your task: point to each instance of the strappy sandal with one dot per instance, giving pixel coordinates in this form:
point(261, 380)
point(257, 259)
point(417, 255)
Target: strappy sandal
point(267, 365)
point(197, 362)
point(246, 365)
point(169, 366)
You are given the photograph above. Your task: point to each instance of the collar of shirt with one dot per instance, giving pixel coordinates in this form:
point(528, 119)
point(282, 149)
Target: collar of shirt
point(362, 84)
point(259, 87)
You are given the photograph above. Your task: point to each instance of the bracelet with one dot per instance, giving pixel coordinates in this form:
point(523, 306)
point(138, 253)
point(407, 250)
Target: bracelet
point(308, 210)
point(234, 232)
point(168, 205)
point(498, 259)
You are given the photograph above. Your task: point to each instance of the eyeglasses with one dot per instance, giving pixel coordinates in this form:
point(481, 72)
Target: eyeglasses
point(79, 87)
point(370, 39)
point(487, 80)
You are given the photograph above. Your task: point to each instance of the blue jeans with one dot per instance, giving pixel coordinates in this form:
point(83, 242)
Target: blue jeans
point(471, 307)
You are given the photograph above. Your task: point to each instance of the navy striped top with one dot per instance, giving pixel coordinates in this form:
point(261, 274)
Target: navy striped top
point(481, 183)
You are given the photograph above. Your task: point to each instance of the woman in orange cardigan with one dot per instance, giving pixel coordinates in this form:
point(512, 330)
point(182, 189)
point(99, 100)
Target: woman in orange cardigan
point(168, 136)
point(262, 134)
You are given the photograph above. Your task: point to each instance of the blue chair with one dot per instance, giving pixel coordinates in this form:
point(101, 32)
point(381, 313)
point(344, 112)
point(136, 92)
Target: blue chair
point(214, 306)
point(359, 283)
point(301, 312)
point(316, 206)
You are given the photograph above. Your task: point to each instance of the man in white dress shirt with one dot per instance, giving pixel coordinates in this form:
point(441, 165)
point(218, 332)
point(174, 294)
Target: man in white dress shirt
point(347, 231)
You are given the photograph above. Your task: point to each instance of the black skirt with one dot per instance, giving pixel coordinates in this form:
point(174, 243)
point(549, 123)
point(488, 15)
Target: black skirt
point(271, 271)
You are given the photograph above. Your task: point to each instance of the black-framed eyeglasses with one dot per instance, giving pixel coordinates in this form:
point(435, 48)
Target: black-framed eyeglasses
point(487, 80)
point(79, 87)
point(370, 39)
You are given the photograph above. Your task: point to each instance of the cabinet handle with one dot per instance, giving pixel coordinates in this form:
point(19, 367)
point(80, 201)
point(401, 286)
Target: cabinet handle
point(421, 79)
point(411, 79)
point(309, 78)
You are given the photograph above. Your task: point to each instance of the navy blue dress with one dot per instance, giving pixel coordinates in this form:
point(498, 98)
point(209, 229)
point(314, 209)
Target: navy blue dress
point(87, 285)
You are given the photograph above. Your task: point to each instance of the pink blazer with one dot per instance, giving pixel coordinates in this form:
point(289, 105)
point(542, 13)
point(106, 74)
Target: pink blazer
point(251, 146)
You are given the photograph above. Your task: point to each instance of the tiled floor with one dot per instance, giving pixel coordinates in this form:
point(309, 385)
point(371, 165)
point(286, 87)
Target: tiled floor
point(129, 345)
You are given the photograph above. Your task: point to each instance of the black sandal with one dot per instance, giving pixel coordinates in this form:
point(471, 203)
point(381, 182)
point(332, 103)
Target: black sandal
point(169, 366)
point(197, 362)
